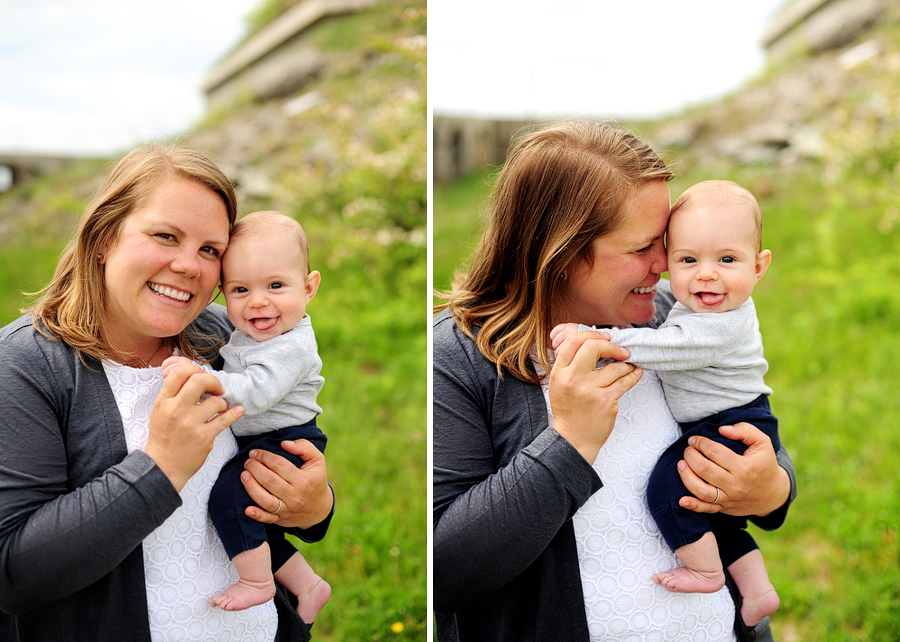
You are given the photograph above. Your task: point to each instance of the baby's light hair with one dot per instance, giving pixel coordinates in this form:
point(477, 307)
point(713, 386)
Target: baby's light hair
point(272, 222)
point(725, 194)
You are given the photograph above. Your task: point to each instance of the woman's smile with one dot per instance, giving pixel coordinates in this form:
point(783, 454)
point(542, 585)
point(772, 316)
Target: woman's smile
point(170, 292)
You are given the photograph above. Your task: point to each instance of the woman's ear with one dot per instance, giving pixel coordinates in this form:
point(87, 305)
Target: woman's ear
point(762, 263)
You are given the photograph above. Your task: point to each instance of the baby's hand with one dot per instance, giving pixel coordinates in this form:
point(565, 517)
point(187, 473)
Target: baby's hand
point(173, 362)
point(560, 332)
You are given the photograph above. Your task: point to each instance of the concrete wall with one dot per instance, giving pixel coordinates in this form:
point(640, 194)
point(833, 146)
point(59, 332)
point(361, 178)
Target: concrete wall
point(465, 145)
point(276, 61)
point(18, 168)
point(814, 26)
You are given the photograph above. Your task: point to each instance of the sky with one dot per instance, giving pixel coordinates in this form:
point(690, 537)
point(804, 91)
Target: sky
point(590, 58)
point(97, 77)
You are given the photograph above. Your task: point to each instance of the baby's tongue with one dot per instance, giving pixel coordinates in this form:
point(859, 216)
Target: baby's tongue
point(263, 324)
point(710, 298)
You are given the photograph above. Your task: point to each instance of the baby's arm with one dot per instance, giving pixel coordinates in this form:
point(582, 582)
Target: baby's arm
point(260, 376)
point(689, 342)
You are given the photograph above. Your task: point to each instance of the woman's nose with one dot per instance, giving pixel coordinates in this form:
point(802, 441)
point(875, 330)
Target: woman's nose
point(660, 261)
point(186, 263)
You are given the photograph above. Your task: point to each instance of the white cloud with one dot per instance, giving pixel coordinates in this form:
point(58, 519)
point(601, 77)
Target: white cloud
point(99, 76)
point(589, 57)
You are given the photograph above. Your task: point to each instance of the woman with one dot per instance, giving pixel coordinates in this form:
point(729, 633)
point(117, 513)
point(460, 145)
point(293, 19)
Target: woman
point(105, 469)
point(529, 543)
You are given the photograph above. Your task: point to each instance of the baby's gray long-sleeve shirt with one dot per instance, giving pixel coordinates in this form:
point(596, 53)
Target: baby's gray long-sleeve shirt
point(276, 381)
point(708, 362)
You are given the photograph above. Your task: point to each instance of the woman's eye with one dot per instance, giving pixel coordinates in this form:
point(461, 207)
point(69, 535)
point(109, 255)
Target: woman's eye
point(644, 250)
point(207, 249)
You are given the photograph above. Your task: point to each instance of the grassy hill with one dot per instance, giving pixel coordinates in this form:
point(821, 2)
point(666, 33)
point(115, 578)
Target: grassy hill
point(829, 308)
point(352, 169)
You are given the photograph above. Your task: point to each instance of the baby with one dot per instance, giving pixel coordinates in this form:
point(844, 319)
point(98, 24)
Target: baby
point(709, 355)
point(272, 370)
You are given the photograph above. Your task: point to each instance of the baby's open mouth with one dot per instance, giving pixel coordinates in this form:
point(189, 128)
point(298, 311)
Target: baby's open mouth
point(264, 324)
point(710, 299)
point(172, 293)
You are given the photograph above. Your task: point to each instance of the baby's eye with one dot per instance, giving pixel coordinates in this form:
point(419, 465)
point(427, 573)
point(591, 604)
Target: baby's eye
point(275, 286)
point(689, 259)
point(727, 259)
point(240, 290)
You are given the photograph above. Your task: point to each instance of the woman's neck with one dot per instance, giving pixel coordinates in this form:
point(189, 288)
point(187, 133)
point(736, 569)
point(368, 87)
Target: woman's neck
point(146, 356)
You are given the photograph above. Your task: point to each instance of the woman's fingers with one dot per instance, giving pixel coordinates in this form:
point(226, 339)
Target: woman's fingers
point(699, 488)
point(182, 431)
point(304, 492)
point(585, 400)
point(260, 497)
point(588, 348)
point(749, 484)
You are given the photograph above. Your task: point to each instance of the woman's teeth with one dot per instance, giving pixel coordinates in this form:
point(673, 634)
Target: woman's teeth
point(646, 290)
point(169, 292)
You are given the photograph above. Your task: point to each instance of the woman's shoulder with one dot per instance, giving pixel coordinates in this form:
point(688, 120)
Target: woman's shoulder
point(448, 338)
point(664, 301)
point(27, 352)
point(21, 335)
point(213, 321)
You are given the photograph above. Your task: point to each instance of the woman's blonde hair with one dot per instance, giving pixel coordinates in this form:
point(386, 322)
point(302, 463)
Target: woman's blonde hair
point(560, 188)
point(72, 306)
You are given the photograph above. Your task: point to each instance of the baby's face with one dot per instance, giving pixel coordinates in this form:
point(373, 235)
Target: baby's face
point(265, 284)
point(713, 260)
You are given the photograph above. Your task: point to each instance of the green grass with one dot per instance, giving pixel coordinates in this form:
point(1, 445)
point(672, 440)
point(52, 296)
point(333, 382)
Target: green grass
point(457, 224)
point(829, 308)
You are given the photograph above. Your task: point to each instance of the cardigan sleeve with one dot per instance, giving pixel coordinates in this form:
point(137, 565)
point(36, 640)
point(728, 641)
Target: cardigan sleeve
point(57, 534)
point(492, 518)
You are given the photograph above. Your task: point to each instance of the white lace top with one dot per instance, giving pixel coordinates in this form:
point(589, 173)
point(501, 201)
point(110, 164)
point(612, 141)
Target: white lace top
point(619, 545)
point(184, 561)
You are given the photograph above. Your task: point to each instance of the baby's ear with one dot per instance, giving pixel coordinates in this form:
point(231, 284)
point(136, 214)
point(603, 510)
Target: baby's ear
point(763, 259)
point(313, 280)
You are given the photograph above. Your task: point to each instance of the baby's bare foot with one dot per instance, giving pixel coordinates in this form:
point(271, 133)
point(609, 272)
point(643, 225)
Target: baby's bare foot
point(312, 601)
point(686, 580)
point(756, 607)
point(244, 594)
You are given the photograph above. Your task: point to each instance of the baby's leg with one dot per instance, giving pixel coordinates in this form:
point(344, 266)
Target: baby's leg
point(752, 579)
point(702, 571)
point(297, 576)
point(256, 584)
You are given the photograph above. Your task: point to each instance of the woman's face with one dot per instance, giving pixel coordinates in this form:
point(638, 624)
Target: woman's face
point(164, 267)
point(620, 285)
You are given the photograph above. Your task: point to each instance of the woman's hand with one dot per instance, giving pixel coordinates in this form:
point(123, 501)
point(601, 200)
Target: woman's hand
point(585, 401)
point(182, 428)
point(748, 484)
point(306, 497)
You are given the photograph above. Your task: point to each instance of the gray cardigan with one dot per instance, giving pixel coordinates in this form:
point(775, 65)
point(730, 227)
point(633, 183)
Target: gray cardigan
point(75, 505)
point(505, 488)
